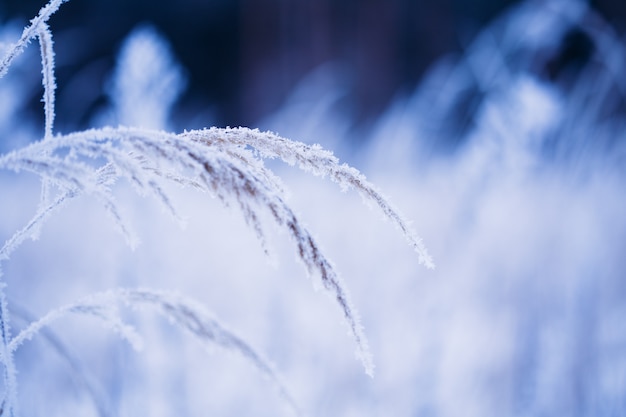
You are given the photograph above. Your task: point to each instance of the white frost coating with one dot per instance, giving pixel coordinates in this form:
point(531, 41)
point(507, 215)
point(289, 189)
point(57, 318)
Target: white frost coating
point(226, 163)
point(29, 33)
point(184, 312)
point(32, 227)
point(219, 173)
point(101, 306)
point(199, 158)
point(318, 161)
point(48, 80)
point(6, 355)
point(193, 317)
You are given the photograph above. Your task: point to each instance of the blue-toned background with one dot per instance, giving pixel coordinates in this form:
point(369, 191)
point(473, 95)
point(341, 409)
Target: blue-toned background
point(244, 57)
point(500, 131)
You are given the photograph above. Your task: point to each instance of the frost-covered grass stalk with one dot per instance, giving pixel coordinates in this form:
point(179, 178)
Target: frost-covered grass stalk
point(224, 163)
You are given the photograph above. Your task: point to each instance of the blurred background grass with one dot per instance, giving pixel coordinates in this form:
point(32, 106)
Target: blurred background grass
point(523, 212)
point(244, 57)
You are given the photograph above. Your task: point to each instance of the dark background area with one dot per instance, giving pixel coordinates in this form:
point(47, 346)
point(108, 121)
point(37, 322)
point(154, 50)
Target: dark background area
point(244, 56)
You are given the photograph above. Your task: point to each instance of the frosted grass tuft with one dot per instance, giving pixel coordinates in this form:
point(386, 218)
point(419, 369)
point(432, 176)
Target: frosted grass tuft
point(30, 32)
point(226, 163)
point(317, 161)
point(183, 312)
point(221, 174)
